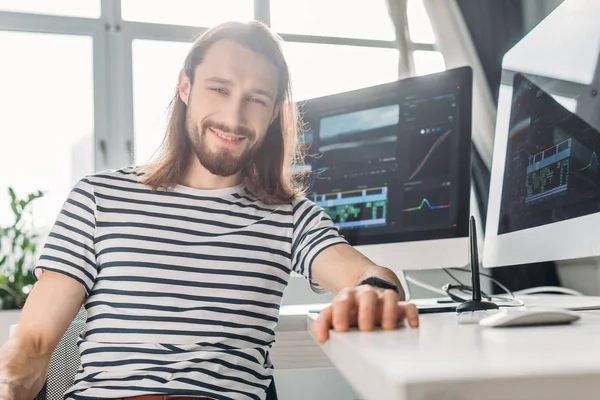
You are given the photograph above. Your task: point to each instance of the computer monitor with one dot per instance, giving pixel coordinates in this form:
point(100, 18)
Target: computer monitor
point(390, 164)
point(544, 201)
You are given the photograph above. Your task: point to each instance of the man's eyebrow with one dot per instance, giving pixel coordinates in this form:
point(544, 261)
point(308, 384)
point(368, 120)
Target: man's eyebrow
point(263, 92)
point(227, 82)
point(217, 79)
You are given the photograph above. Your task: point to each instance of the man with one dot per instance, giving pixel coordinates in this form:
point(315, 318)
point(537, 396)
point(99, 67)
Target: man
point(182, 264)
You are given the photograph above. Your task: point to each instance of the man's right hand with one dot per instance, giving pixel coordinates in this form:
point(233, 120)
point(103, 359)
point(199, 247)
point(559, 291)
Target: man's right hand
point(51, 307)
point(21, 368)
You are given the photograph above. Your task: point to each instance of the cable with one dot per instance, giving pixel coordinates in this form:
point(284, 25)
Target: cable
point(453, 277)
point(500, 285)
point(461, 287)
point(425, 286)
point(519, 302)
point(531, 291)
point(550, 289)
point(468, 290)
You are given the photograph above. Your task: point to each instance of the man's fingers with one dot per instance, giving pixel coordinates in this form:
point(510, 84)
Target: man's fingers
point(343, 308)
point(368, 307)
point(389, 309)
point(410, 312)
point(322, 324)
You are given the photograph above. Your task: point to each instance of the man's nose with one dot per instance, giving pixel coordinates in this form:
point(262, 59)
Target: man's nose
point(235, 112)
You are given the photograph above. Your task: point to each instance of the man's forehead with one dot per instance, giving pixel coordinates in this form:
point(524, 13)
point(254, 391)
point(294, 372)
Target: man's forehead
point(232, 61)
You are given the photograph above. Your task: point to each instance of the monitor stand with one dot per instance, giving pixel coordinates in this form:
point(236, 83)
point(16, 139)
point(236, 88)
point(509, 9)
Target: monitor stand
point(475, 304)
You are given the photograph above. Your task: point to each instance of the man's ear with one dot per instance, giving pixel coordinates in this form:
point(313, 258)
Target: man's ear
point(275, 113)
point(184, 87)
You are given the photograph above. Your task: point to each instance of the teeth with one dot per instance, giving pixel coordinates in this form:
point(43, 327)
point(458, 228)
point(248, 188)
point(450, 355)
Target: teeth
point(227, 137)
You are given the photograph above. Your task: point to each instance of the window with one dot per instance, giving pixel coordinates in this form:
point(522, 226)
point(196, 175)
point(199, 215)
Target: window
point(322, 69)
point(419, 25)
point(361, 19)
point(428, 62)
point(68, 8)
point(425, 57)
point(156, 66)
point(47, 124)
point(187, 12)
point(99, 92)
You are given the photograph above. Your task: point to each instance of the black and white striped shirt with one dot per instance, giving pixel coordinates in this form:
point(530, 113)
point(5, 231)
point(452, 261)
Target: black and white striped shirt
point(184, 286)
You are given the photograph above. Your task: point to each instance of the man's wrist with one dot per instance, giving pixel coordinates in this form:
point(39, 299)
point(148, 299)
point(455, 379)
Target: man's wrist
point(379, 283)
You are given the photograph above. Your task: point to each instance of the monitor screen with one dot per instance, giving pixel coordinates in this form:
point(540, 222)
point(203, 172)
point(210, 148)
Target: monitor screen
point(552, 170)
point(391, 163)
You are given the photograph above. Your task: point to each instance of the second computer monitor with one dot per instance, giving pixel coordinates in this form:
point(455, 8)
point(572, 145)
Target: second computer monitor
point(544, 202)
point(390, 165)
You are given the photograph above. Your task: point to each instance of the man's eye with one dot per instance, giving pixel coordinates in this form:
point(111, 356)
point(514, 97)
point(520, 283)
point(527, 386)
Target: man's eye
point(219, 90)
point(256, 100)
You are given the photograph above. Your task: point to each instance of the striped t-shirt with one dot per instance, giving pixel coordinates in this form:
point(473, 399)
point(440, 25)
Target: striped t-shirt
point(183, 286)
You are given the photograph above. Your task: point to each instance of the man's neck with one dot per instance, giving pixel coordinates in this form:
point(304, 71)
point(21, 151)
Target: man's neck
point(198, 177)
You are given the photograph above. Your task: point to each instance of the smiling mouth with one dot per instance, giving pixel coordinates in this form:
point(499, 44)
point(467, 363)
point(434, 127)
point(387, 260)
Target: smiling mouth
point(227, 136)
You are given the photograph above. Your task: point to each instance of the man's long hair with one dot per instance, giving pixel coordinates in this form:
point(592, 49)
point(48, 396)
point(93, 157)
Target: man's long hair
point(268, 174)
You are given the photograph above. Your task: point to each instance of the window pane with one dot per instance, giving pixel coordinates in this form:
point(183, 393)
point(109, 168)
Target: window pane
point(47, 124)
point(204, 13)
point(321, 69)
point(428, 62)
point(156, 67)
point(69, 8)
point(363, 19)
point(419, 25)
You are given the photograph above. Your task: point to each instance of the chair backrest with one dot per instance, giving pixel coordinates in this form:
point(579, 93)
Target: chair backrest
point(65, 362)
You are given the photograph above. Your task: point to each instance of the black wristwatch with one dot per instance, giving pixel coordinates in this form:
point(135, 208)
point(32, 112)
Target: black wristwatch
point(380, 283)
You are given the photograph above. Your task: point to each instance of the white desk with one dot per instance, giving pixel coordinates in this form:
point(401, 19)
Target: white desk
point(446, 360)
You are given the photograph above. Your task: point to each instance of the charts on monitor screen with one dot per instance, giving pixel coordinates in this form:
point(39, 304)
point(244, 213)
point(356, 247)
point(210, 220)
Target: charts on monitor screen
point(388, 160)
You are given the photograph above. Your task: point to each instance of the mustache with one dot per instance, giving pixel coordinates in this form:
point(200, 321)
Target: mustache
point(238, 129)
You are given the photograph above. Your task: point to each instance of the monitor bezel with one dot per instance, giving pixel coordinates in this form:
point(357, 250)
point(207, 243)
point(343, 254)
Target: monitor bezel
point(368, 97)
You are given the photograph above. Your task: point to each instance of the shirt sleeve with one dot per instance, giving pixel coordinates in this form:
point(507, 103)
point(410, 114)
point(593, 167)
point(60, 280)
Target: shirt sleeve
point(314, 231)
point(69, 248)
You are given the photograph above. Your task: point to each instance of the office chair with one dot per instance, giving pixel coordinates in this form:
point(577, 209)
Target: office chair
point(65, 362)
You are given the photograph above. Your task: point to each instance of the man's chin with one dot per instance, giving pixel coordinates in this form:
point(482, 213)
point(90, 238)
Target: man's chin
point(221, 167)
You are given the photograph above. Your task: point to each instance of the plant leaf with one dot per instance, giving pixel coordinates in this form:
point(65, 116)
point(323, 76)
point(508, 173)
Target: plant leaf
point(3, 260)
point(13, 196)
point(25, 243)
point(13, 206)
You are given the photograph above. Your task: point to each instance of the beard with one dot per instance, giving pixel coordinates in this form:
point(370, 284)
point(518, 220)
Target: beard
point(223, 163)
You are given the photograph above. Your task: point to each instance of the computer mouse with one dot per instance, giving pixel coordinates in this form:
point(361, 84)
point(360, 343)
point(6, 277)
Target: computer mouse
point(527, 316)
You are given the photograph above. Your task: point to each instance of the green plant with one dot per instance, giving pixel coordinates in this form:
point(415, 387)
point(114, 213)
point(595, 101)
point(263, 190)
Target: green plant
point(18, 247)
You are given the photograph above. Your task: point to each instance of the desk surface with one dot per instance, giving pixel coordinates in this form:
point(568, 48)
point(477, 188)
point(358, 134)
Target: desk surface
point(446, 360)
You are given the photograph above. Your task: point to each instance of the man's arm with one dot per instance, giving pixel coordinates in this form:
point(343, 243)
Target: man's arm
point(24, 359)
point(339, 269)
point(68, 271)
point(341, 266)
